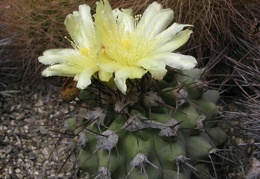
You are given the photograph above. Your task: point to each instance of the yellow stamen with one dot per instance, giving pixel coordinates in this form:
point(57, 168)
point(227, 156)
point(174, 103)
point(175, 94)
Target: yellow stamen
point(84, 51)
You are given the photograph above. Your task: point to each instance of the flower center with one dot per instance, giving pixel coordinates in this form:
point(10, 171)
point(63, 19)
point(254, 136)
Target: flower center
point(126, 43)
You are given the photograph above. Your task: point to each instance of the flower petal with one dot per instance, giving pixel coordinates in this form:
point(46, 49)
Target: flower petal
point(107, 64)
point(125, 20)
point(125, 73)
point(104, 76)
point(84, 78)
point(154, 66)
point(53, 56)
point(149, 13)
point(61, 70)
point(105, 24)
point(158, 74)
point(159, 22)
point(121, 84)
point(168, 34)
point(80, 26)
point(49, 72)
point(63, 51)
point(86, 17)
point(176, 42)
point(177, 61)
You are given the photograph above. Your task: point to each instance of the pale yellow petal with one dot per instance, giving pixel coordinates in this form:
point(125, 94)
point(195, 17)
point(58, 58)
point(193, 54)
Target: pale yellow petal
point(104, 76)
point(57, 70)
point(84, 78)
point(121, 84)
point(86, 18)
point(151, 63)
point(80, 27)
point(154, 66)
point(125, 73)
point(149, 13)
point(158, 74)
point(107, 64)
point(178, 61)
point(105, 22)
point(58, 51)
point(169, 33)
point(48, 72)
point(54, 56)
point(125, 20)
point(159, 22)
point(177, 41)
point(64, 69)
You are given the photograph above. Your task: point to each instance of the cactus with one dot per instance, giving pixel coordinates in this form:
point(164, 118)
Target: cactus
point(155, 131)
point(137, 120)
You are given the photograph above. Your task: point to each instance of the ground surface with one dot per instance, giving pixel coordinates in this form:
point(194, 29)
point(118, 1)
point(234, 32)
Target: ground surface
point(30, 128)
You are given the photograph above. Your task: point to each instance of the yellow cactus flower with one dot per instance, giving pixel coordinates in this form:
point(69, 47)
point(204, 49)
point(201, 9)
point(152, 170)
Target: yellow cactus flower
point(80, 61)
point(131, 46)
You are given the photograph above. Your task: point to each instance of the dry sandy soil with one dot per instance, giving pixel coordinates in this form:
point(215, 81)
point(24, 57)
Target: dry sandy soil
point(33, 143)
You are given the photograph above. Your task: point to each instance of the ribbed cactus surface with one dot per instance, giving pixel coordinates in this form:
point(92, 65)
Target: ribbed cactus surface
point(159, 129)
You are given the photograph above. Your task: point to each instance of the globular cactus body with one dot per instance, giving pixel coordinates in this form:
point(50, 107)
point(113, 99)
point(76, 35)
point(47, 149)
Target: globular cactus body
point(169, 131)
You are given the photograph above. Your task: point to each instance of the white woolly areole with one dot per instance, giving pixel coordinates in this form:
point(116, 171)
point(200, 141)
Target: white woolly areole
point(107, 140)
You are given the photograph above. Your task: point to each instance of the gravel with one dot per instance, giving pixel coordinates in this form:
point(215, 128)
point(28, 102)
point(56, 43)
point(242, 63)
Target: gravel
point(33, 143)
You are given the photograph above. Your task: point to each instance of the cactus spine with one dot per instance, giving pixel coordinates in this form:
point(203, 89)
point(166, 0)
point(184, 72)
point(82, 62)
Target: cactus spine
point(165, 130)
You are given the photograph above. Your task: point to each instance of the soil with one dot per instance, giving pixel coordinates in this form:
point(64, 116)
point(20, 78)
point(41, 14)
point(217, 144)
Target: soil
point(33, 140)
